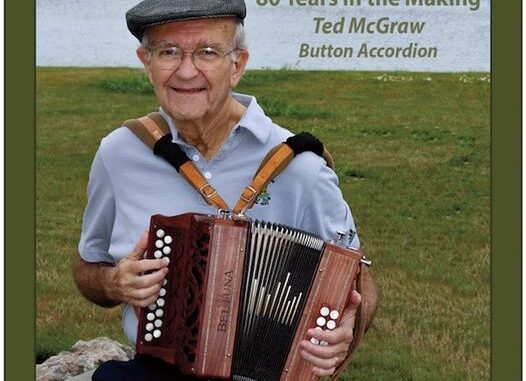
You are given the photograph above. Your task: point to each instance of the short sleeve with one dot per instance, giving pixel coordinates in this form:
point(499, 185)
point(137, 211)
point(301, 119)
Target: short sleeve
point(99, 216)
point(327, 212)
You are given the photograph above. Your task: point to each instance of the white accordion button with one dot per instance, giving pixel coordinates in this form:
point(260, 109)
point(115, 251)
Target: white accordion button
point(158, 323)
point(160, 302)
point(159, 313)
point(150, 316)
point(162, 292)
point(149, 326)
point(168, 239)
point(157, 333)
point(167, 250)
point(165, 282)
point(160, 233)
point(158, 254)
point(335, 315)
point(152, 306)
point(325, 311)
point(159, 243)
point(323, 343)
point(148, 337)
point(314, 341)
point(321, 321)
point(331, 324)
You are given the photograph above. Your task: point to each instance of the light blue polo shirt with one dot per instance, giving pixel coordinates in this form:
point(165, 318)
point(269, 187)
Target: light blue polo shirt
point(128, 184)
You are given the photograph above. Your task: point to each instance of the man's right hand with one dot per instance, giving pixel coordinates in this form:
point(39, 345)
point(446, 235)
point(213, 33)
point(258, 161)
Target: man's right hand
point(135, 280)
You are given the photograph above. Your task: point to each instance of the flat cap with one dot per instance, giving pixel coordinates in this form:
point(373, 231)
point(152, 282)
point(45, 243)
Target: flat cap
point(153, 12)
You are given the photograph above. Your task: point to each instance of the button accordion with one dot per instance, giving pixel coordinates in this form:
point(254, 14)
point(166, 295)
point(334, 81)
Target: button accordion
point(240, 296)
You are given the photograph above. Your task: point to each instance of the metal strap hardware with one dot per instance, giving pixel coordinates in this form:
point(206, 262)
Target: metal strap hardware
point(252, 195)
point(212, 192)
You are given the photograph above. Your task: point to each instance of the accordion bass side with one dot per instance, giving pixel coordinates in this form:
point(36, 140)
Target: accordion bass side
point(240, 296)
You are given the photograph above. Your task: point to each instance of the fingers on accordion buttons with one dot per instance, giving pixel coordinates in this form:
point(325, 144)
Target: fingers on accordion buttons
point(314, 341)
point(160, 233)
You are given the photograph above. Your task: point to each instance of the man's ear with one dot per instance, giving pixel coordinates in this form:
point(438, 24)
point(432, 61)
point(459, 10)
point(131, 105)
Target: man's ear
point(142, 54)
point(239, 67)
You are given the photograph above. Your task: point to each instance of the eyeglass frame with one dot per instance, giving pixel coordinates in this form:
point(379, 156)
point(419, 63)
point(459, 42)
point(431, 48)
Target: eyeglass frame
point(152, 49)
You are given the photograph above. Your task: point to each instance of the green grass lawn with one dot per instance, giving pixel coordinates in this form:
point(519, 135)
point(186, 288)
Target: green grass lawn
point(412, 153)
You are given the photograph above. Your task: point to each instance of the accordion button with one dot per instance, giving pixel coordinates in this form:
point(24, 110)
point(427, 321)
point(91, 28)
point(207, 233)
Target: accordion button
point(325, 311)
point(168, 239)
point(149, 326)
point(160, 302)
point(331, 324)
point(159, 243)
point(335, 315)
point(158, 323)
point(159, 313)
point(167, 250)
point(162, 292)
point(321, 321)
point(152, 306)
point(150, 316)
point(148, 337)
point(157, 333)
point(165, 282)
point(160, 233)
point(314, 341)
point(324, 343)
point(158, 254)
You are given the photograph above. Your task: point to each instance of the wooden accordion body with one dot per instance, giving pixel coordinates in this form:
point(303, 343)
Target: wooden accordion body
point(240, 296)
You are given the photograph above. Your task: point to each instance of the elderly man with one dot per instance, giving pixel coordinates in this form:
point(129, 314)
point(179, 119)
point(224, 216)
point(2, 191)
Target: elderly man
point(194, 54)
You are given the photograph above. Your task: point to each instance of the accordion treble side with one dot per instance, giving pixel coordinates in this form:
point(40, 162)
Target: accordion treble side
point(239, 296)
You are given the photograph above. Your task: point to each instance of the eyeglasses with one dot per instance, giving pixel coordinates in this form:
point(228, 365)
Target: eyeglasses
point(205, 58)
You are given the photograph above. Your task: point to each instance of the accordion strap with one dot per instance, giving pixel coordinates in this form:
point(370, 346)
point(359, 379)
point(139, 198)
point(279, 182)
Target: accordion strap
point(274, 163)
point(153, 131)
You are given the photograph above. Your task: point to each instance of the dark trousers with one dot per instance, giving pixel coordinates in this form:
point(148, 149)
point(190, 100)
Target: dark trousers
point(141, 368)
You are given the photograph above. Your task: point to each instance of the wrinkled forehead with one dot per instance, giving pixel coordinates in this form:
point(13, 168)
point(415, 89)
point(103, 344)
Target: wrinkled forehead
point(218, 30)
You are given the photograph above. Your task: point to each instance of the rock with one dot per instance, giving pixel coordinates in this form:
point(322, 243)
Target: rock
point(83, 356)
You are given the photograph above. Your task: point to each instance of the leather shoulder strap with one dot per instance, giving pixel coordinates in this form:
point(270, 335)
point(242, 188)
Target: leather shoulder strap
point(153, 131)
point(275, 162)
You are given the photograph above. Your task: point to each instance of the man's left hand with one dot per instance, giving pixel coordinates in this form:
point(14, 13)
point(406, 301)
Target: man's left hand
point(326, 358)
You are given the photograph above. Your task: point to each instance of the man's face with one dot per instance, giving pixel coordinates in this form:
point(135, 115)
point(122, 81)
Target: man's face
point(187, 93)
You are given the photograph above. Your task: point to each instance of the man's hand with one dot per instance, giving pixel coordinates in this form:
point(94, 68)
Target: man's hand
point(326, 358)
point(135, 280)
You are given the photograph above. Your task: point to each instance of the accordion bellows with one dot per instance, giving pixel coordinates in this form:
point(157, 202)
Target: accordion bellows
point(240, 296)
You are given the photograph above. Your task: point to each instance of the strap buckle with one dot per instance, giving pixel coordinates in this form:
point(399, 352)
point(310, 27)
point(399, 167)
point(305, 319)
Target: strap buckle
point(251, 197)
point(211, 191)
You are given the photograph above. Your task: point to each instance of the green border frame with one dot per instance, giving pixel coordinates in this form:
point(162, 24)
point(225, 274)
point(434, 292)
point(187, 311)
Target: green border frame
point(19, 188)
point(506, 187)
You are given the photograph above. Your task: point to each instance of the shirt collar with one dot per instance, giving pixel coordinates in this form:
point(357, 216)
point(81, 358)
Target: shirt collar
point(253, 120)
